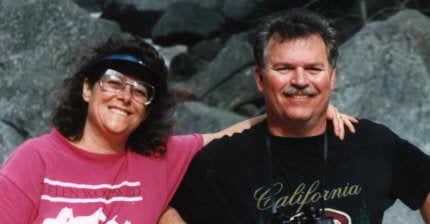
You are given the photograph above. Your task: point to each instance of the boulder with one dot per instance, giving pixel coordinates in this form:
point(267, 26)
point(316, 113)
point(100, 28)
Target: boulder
point(233, 58)
point(383, 74)
point(42, 42)
point(383, 70)
point(186, 23)
point(197, 117)
point(161, 5)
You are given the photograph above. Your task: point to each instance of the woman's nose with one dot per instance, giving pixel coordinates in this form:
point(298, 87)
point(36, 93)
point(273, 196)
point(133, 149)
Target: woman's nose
point(126, 94)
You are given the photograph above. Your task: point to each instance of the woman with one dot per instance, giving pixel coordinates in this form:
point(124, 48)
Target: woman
point(111, 156)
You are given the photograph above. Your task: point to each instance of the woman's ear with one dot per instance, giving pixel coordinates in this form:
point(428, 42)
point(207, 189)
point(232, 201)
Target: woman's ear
point(86, 91)
point(147, 112)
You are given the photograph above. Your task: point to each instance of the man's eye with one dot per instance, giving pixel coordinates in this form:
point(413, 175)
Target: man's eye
point(284, 69)
point(314, 69)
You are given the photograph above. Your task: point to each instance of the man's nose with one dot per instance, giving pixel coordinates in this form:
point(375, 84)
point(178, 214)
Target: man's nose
point(299, 77)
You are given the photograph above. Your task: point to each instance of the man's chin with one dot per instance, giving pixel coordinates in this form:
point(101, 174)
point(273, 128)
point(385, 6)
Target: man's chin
point(299, 115)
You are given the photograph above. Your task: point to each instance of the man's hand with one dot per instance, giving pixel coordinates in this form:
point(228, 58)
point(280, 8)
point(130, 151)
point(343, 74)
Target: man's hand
point(171, 216)
point(425, 210)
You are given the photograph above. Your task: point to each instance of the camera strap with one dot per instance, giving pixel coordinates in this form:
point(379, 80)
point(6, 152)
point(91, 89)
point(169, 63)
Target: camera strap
point(325, 157)
point(272, 190)
point(269, 157)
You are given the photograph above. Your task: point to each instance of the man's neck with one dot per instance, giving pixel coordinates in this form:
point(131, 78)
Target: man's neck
point(296, 128)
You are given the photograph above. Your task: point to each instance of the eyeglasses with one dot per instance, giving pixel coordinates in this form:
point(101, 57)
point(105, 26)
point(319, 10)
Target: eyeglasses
point(115, 82)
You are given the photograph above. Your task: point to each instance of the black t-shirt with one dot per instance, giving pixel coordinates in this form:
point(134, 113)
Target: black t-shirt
point(229, 180)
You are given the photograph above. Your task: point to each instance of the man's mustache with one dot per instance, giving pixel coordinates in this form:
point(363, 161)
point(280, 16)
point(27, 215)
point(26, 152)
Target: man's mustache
point(292, 91)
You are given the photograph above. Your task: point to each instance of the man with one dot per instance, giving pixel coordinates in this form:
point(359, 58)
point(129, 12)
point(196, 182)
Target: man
point(291, 168)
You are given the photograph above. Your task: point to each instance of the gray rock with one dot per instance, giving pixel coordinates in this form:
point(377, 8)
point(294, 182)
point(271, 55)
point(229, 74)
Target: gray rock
point(197, 58)
point(186, 23)
point(233, 58)
point(42, 42)
point(157, 5)
point(382, 71)
point(236, 92)
point(196, 117)
point(7, 5)
point(400, 213)
point(383, 75)
point(91, 6)
point(9, 139)
point(239, 9)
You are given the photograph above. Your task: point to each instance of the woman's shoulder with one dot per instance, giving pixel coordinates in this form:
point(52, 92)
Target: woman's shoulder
point(177, 140)
point(181, 144)
point(36, 146)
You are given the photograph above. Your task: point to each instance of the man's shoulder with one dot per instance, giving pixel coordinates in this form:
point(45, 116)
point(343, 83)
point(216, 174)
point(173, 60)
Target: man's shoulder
point(369, 126)
point(370, 131)
point(228, 146)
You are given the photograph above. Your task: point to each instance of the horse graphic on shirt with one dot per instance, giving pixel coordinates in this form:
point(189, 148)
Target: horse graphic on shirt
point(94, 218)
point(65, 216)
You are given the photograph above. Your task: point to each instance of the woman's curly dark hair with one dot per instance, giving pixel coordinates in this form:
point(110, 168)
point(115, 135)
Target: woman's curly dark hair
point(151, 135)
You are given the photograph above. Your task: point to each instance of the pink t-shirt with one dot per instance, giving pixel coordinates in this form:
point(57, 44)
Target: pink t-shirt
point(48, 180)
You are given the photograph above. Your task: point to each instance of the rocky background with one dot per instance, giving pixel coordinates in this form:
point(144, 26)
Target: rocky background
point(383, 69)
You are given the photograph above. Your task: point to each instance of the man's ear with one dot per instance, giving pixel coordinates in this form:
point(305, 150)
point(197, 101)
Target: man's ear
point(258, 78)
point(86, 91)
point(333, 78)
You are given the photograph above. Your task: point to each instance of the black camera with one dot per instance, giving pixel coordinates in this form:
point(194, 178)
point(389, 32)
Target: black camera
point(310, 215)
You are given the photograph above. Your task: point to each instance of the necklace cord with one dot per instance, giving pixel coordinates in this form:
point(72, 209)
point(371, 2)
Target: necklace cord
point(269, 156)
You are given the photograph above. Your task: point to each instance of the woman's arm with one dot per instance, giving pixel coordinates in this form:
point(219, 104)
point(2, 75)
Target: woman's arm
point(235, 128)
point(339, 122)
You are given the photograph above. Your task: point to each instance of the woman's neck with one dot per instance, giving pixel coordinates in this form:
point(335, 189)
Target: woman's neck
point(99, 143)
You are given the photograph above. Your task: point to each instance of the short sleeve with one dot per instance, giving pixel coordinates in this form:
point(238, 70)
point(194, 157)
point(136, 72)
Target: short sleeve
point(21, 184)
point(180, 151)
point(191, 200)
point(411, 174)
